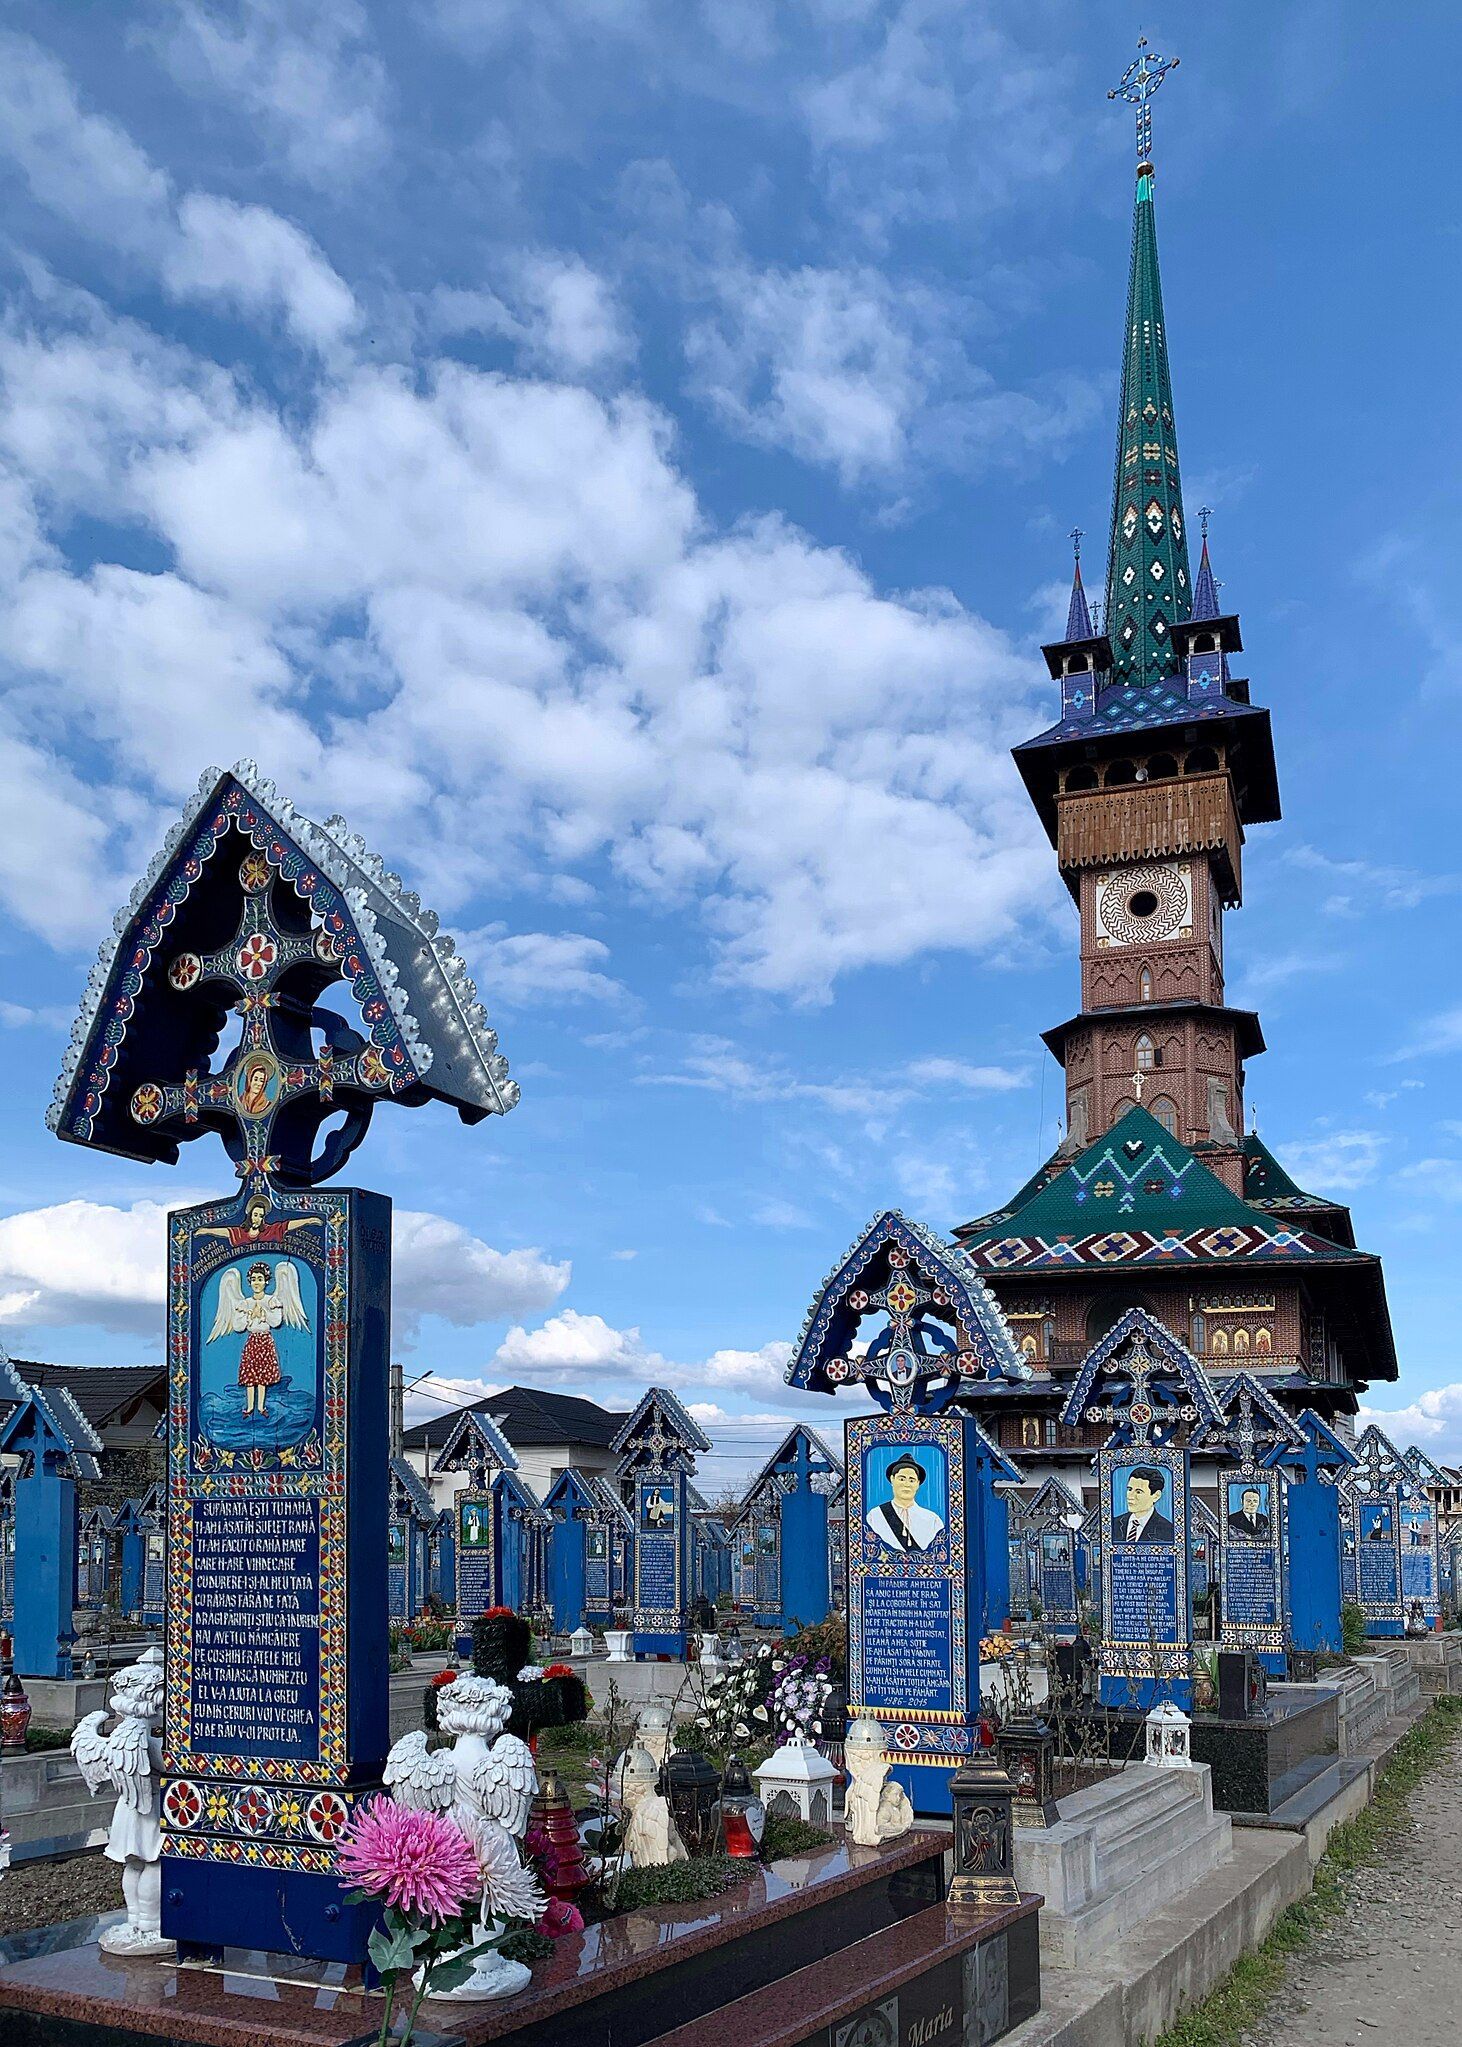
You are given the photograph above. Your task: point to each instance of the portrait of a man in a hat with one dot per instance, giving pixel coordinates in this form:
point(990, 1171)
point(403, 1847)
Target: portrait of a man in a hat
point(899, 1520)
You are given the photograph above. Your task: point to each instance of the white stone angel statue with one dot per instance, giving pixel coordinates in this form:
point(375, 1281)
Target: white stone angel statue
point(129, 1761)
point(486, 1780)
point(255, 1316)
point(875, 1809)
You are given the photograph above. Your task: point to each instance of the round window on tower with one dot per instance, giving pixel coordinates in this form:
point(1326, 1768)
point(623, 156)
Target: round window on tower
point(1142, 902)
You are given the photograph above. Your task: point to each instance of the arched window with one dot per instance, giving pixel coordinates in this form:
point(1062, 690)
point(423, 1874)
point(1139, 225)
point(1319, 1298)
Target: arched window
point(1263, 1342)
point(1081, 778)
point(1241, 1343)
point(1030, 1432)
point(1166, 1112)
point(1144, 986)
point(1147, 1056)
point(1118, 774)
point(1219, 1343)
point(1030, 1347)
point(1161, 767)
point(1199, 1335)
point(1203, 760)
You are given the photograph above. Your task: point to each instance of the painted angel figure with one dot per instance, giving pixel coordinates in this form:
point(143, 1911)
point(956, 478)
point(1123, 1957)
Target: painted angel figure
point(255, 1316)
point(129, 1761)
point(486, 1780)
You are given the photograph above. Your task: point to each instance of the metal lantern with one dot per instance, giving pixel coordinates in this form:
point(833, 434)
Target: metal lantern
point(581, 1642)
point(689, 1784)
point(743, 1816)
point(984, 1835)
point(796, 1781)
point(1026, 1750)
point(1169, 1737)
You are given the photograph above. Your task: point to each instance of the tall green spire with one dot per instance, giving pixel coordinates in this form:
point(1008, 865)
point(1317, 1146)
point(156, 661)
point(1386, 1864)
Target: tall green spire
point(1149, 588)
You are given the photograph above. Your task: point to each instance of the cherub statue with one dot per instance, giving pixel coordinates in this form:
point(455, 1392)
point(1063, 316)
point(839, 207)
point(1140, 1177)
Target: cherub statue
point(874, 1810)
point(129, 1760)
point(650, 1835)
point(486, 1780)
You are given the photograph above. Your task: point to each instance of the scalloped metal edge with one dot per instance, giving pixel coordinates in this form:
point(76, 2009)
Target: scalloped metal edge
point(345, 859)
point(993, 1320)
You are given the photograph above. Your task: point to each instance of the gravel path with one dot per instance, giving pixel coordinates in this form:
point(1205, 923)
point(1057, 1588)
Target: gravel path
point(1390, 1970)
point(45, 1893)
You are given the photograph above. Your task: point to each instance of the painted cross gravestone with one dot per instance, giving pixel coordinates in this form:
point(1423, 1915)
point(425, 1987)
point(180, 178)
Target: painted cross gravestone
point(1203, 1555)
point(275, 1712)
point(924, 1528)
point(55, 1445)
point(522, 1530)
point(1049, 1523)
point(477, 1446)
point(578, 1574)
point(1371, 1495)
point(1252, 1518)
point(1420, 1562)
point(410, 1528)
point(1314, 1470)
point(657, 1446)
point(786, 1509)
point(1157, 1393)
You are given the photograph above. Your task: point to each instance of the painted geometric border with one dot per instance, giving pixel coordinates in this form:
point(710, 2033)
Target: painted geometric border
point(1119, 1657)
point(186, 1485)
point(932, 1735)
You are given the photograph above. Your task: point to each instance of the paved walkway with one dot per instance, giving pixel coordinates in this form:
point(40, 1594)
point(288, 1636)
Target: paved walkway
point(1390, 1970)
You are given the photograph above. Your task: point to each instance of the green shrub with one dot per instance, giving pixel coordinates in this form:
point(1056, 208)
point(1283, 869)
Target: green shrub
point(787, 1835)
point(1352, 1628)
point(681, 1883)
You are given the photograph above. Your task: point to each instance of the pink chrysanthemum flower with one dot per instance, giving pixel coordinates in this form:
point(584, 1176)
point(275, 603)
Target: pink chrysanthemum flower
point(420, 1862)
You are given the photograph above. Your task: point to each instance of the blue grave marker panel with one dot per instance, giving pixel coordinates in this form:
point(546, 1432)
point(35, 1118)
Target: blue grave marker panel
point(1251, 1562)
point(396, 1591)
point(768, 1568)
point(275, 1720)
point(911, 1656)
point(1058, 1577)
point(476, 1575)
point(1418, 1556)
point(153, 1575)
point(596, 1567)
point(1378, 1560)
point(1146, 1649)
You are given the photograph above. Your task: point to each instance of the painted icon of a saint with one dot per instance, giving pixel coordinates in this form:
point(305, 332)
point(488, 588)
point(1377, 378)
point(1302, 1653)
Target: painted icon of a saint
point(255, 1316)
point(256, 1232)
point(256, 1087)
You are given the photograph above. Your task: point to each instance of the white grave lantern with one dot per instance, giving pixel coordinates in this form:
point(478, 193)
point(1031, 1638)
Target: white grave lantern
point(581, 1642)
point(1169, 1734)
point(797, 1779)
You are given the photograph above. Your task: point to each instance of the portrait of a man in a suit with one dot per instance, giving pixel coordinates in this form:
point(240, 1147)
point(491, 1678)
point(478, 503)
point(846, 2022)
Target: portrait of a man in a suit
point(1247, 1519)
point(1144, 1520)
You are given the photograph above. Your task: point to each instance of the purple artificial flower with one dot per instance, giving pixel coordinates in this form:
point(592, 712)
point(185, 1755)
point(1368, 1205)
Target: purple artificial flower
point(419, 1862)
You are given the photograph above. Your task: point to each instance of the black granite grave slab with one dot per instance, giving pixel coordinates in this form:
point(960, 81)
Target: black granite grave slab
point(1257, 1764)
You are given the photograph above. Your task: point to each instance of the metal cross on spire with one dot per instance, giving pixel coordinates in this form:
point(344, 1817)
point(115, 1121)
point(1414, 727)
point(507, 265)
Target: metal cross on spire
point(1139, 82)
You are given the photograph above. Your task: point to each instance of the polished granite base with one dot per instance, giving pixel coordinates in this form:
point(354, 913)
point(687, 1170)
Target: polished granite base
point(1259, 1764)
point(821, 1939)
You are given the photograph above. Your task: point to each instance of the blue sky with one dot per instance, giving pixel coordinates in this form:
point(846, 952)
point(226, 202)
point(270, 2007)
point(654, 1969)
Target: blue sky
point(620, 454)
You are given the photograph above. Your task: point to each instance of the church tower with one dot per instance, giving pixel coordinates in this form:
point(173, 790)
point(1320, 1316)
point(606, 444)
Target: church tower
point(1147, 783)
point(1155, 770)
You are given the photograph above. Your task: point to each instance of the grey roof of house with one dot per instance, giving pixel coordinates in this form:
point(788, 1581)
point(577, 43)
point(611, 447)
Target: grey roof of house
point(527, 1417)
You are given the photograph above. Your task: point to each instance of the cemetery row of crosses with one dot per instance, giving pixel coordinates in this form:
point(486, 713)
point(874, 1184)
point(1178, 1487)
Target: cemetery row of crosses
point(1100, 1497)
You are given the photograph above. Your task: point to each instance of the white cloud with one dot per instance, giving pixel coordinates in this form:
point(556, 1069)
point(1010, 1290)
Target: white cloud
point(523, 968)
point(959, 1073)
point(560, 312)
point(20, 1016)
point(300, 72)
point(1439, 1033)
point(88, 1263)
point(1335, 1161)
point(572, 1345)
point(1433, 1419)
point(439, 1268)
point(85, 168)
point(776, 1214)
